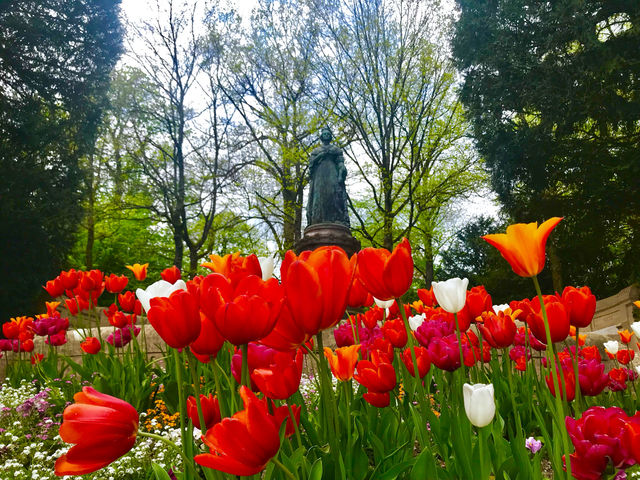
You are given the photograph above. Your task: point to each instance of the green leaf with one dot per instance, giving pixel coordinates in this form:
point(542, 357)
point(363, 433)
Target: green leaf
point(425, 467)
point(396, 470)
point(160, 472)
point(316, 470)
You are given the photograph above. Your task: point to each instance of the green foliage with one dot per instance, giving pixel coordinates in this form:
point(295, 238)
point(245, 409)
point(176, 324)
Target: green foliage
point(53, 93)
point(552, 92)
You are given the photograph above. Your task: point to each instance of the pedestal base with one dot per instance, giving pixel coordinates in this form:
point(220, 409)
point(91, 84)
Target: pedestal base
point(322, 234)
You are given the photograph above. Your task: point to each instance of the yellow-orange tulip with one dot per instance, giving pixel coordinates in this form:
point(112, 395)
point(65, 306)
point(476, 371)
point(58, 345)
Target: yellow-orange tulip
point(139, 271)
point(343, 362)
point(523, 246)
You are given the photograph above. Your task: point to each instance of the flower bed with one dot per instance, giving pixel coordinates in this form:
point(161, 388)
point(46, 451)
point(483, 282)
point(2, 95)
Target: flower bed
point(449, 386)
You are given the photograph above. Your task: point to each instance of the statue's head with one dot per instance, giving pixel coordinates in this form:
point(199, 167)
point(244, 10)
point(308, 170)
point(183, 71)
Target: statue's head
point(325, 135)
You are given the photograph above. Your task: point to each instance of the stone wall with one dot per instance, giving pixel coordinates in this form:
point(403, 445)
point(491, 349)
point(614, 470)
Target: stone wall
point(616, 311)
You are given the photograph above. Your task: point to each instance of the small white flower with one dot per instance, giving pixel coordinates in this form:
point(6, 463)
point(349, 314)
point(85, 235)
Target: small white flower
point(612, 346)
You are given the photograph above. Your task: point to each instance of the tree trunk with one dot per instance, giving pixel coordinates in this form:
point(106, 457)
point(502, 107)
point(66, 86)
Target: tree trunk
point(556, 268)
point(193, 262)
point(428, 259)
point(387, 219)
point(178, 246)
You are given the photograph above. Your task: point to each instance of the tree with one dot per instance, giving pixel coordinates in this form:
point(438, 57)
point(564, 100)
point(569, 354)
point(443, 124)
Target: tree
point(271, 85)
point(189, 163)
point(55, 61)
point(552, 91)
point(393, 95)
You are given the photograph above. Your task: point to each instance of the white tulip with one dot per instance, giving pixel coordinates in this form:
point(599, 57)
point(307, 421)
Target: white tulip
point(500, 308)
point(479, 403)
point(416, 321)
point(635, 326)
point(612, 346)
point(384, 303)
point(451, 294)
point(266, 265)
point(161, 288)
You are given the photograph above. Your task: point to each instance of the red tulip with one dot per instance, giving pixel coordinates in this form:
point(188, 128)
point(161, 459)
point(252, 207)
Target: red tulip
point(376, 375)
point(598, 438)
point(171, 274)
point(568, 387)
point(427, 297)
point(118, 319)
point(380, 400)
point(91, 280)
point(631, 439)
point(316, 288)
point(281, 378)
point(55, 287)
point(386, 275)
point(557, 316)
point(176, 318)
point(591, 377)
point(395, 333)
point(70, 279)
point(210, 410)
point(103, 428)
point(76, 304)
point(115, 284)
point(478, 301)
point(618, 379)
point(624, 356)
point(129, 303)
point(498, 330)
point(91, 345)
point(423, 359)
point(358, 295)
point(580, 304)
point(244, 443)
point(244, 312)
point(36, 358)
point(209, 341)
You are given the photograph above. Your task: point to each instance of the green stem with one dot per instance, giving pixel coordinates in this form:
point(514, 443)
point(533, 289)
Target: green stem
point(171, 445)
point(459, 335)
point(216, 379)
point(196, 391)
point(245, 365)
point(286, 471)
point(181, 402)
point(554, 375)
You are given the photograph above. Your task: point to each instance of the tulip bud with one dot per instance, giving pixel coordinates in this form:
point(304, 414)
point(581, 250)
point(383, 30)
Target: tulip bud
point(479, 403)
point(451, 294)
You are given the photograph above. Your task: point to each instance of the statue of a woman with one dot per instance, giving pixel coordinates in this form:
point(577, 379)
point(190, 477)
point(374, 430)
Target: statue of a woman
point(327, 194)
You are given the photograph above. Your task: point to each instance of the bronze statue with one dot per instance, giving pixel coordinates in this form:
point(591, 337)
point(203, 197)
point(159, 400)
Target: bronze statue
point(327, 194)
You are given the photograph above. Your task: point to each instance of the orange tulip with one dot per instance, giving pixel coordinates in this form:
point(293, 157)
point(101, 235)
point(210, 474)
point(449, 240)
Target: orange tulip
point(343, 362)
point(233, 266)
point(103, 428)
point(625, 336)
point(52, 308)
point(139, 271)
point(523, 246)
point(386, 275)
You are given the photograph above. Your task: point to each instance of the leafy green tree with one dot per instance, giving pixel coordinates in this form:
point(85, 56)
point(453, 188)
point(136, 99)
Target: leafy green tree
point(55, 59)
point(552, 92)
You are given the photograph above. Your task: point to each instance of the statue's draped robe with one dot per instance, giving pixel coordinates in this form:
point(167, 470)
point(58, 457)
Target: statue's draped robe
point(327, 194)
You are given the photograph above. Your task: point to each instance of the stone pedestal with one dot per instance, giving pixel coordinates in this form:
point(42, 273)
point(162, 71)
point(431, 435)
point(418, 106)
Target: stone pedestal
point(322, 234)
